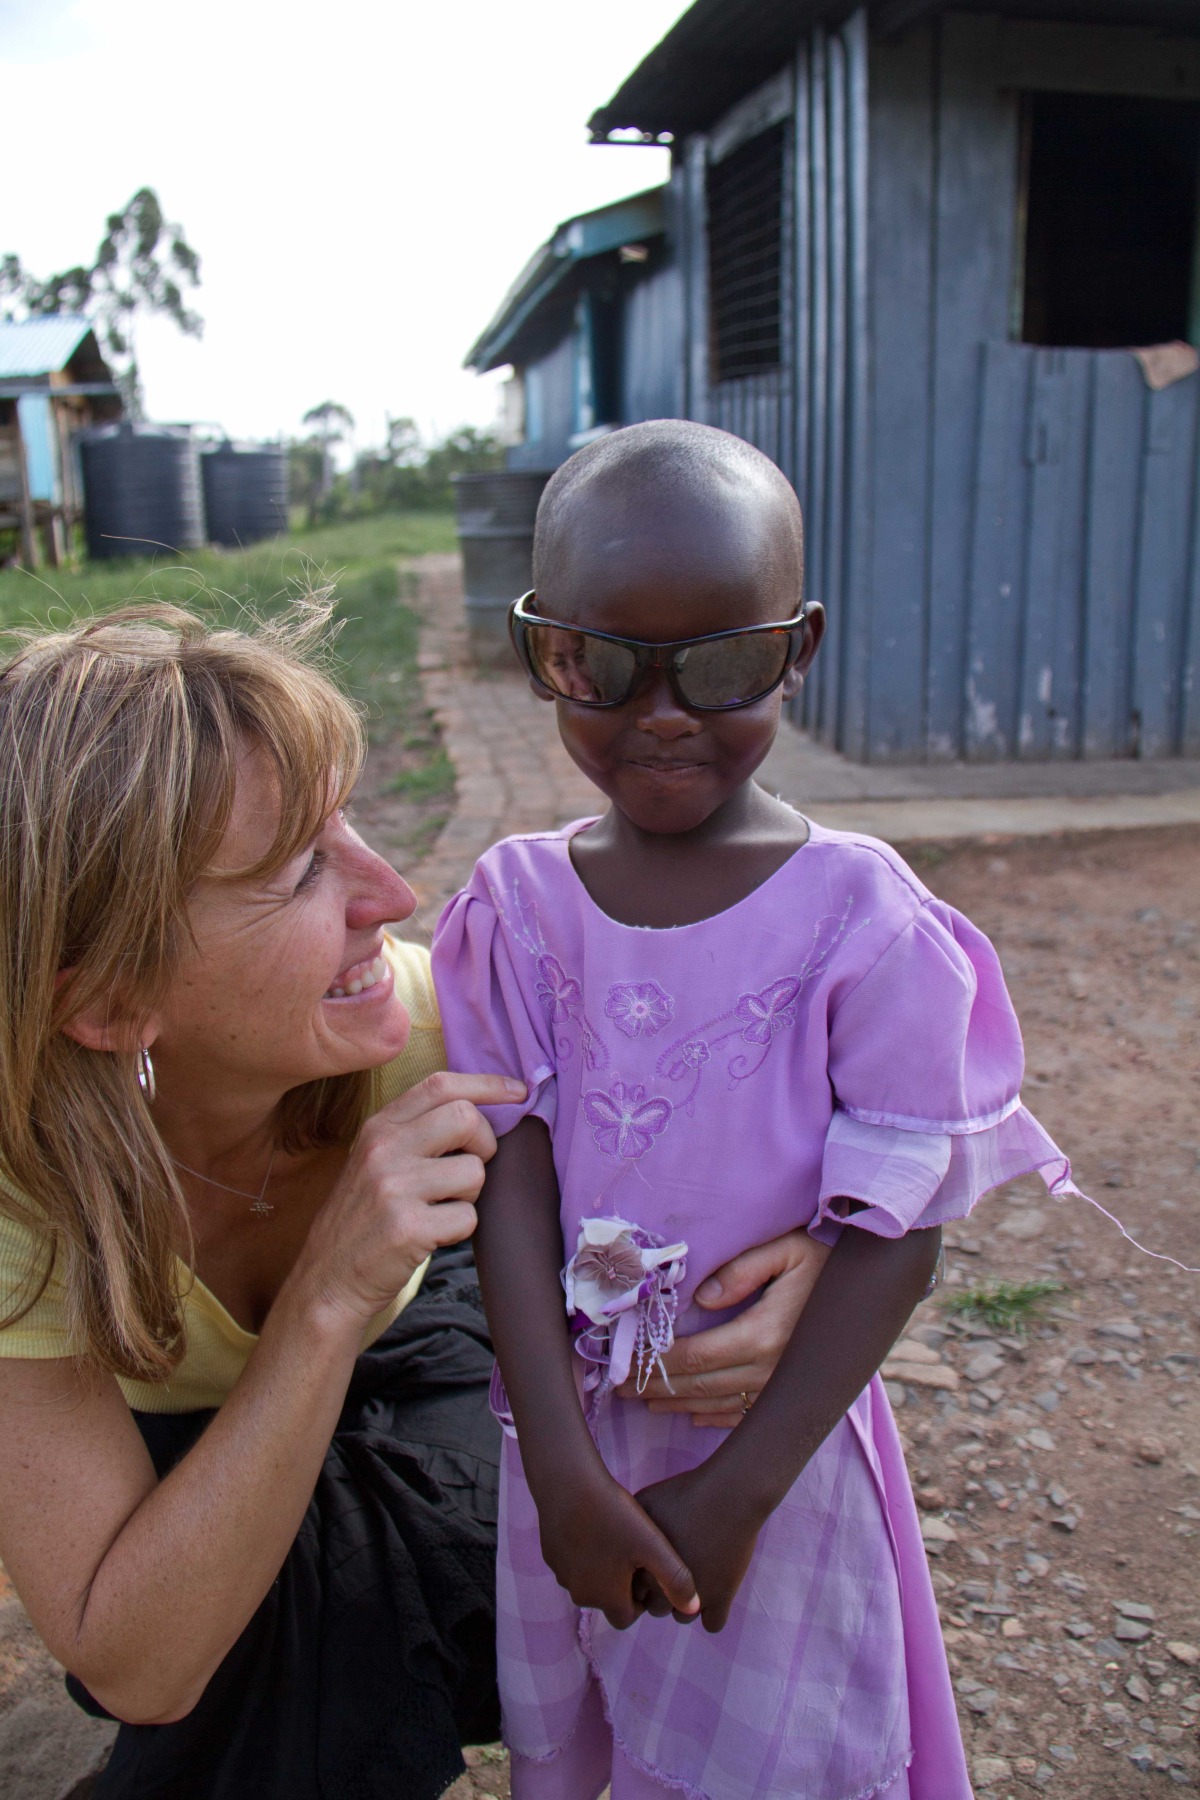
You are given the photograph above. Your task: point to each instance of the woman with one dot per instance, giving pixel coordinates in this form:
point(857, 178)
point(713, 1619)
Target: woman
point(249, 1483)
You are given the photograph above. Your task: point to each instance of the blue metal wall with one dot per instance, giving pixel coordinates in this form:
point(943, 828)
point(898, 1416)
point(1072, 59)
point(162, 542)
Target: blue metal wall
point(1007, 540)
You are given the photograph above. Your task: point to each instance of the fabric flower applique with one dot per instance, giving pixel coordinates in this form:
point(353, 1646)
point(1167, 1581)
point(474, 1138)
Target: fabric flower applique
point(639, 1009)
point(621, 1294)
point(558, 992)
point(623, 1121)
point(771, 1011)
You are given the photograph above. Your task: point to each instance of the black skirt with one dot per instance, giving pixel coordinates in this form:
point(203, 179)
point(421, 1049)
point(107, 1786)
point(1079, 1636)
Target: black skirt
point(372, 1659)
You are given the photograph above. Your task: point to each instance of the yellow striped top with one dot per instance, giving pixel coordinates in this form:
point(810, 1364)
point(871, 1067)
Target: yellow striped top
point(217, 1347)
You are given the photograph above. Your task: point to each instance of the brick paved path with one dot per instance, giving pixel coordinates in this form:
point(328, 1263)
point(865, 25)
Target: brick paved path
point(512, 771)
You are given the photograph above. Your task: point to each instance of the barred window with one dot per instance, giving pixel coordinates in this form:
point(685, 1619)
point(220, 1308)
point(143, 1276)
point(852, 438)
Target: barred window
point(745, 257)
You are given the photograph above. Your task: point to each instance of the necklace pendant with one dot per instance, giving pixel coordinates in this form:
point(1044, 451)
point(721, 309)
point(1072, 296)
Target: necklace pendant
point(262, 1207)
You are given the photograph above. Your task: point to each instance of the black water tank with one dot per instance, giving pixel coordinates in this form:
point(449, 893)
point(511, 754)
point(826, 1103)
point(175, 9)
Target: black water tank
point(495, 513)
point(141, 490)
point(245, 492)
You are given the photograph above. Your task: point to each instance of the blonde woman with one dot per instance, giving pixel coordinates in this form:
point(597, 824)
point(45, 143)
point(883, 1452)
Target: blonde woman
point(248, 1488)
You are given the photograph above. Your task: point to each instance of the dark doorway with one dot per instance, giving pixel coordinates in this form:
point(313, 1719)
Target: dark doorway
point(1109, 195)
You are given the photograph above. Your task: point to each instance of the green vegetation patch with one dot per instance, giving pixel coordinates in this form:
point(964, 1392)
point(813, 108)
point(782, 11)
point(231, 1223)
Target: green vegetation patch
point(376, 646)
point(1004, 1305)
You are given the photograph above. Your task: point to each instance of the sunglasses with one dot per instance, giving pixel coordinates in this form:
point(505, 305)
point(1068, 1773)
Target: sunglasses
point(713, 673)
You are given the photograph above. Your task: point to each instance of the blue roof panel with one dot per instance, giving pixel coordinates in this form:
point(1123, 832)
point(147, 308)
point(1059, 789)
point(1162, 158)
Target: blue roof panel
point(40, 346)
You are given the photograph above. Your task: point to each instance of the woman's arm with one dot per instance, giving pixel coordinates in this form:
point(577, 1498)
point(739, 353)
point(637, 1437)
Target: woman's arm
point(141, 1587)
point(858, 1308)
point(711, 1370)
point(595, 1537)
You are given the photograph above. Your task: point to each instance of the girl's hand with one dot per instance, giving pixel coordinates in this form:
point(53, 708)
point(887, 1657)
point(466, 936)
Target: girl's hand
point(708, 1529)
point(409, 1187)
point(609, 1555)
point(711, 1370)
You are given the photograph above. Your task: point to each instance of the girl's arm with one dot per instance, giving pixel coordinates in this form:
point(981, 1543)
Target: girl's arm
point(596, 1539)
point(141, 1587)
point(859, 1306)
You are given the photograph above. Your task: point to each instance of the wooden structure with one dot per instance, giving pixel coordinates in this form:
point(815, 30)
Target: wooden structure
point(910, 250)
point(53, 380)
point(590, 328)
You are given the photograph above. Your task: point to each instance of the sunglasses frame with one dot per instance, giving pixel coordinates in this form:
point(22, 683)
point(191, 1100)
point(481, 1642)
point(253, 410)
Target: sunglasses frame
point(650, 656)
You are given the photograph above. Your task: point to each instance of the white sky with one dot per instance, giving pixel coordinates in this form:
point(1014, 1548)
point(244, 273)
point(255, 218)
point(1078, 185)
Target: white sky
point(362, 179)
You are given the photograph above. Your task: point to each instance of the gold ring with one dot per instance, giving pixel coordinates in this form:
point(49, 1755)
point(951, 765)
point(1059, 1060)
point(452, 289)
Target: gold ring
point(746, 1402)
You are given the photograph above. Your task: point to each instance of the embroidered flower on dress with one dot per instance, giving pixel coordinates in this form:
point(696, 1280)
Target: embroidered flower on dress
point(694, 1053)
point(769, 1012)
point(558, 992)
point(624, 1122)
point(639, 1009)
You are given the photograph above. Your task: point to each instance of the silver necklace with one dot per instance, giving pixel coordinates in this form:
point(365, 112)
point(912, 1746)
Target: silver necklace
point(259, 1203)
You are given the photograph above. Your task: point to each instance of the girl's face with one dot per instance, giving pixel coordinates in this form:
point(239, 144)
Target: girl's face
point(666, 768)
point(264, 998)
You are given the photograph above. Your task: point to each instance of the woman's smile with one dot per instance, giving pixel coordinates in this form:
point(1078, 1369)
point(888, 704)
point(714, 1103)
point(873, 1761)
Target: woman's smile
point(369, 979)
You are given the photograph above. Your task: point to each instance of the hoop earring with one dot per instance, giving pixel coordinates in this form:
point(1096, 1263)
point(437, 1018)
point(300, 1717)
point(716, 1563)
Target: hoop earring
point(145, 1074)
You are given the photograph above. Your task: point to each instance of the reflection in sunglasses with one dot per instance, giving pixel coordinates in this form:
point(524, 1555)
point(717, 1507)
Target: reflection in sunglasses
point(563, 657)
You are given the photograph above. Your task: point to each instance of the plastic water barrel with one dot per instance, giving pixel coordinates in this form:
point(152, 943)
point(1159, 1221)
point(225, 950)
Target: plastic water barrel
point(245, 492)
point(142, 490)
point(495, 513)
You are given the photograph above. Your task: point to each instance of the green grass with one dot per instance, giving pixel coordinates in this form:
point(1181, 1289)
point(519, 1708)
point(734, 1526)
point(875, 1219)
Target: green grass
point(1004, 1305)
point(428, 780)
point(378, 641)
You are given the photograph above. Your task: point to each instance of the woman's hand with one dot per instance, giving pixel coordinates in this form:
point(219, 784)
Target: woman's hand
point(409, 1187)
point(711, 1370)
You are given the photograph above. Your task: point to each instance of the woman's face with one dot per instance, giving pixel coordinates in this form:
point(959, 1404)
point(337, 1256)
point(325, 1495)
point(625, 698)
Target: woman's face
point(284, 982)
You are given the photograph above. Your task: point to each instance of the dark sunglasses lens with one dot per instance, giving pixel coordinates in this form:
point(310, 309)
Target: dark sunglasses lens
point(578, 666)
point(732, 670)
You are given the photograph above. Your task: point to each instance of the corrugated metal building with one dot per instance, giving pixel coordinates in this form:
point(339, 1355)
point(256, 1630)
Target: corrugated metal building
point(53, 380)
point(913, 247)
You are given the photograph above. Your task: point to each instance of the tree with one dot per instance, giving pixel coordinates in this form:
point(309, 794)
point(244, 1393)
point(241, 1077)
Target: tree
point(331, 424)
point(143, 263)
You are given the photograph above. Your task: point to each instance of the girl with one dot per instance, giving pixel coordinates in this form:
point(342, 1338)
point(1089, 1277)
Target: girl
point(729, 1021)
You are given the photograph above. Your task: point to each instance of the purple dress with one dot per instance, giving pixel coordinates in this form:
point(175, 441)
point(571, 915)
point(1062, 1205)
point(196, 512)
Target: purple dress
point(839, 1033)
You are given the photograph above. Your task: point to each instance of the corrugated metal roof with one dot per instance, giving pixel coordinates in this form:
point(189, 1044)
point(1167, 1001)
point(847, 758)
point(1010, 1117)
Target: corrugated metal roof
point(40, 346)
point(721, 50)
point(629, 221)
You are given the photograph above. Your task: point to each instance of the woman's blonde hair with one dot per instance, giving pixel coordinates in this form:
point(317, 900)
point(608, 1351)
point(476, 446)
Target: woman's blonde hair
point(119, 745)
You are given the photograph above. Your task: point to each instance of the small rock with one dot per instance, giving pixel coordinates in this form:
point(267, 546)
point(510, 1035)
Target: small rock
point(930, 1375)
point(1128, 1330)
point(1133, 1609)
point(1115, 1712)
point(1037, 1564)
point(1108, 1650)
point(1043, 1773)
point(1012, 1628)
point(1065, 1521)
point(1137, 1689)
point(1025, 1765)
point(911, 1349)
point(1150, 1449)
point(1142, 1757)
point(1062, 1753)
point(1079, 1628)
point(1187, 1654)
point(981, 1702)
point(1057, 1496)
point(895, 1393)
point(1047, 1400)
point(938, 1531)
point(1083, 1356)
point(983, 1366)
point(1025, 1225)
point(1131, 1631)
point(988, 1769)
point(1037, 1439)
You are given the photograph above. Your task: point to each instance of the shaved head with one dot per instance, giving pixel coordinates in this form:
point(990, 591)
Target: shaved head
point(632, 491)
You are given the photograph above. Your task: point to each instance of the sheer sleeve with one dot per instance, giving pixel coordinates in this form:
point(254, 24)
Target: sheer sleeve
point(491, 1024)
point(925, 1062)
